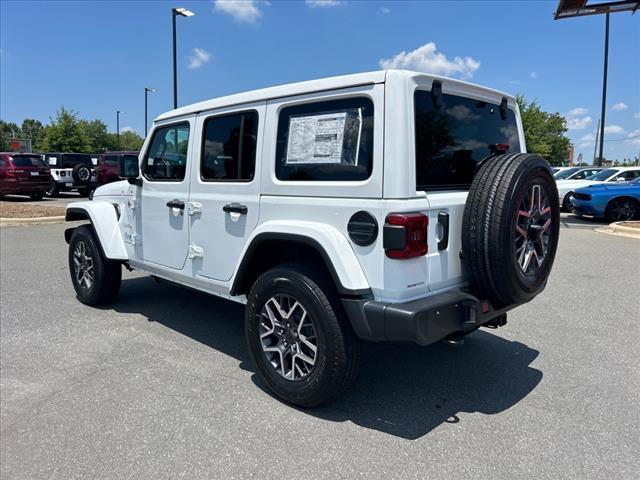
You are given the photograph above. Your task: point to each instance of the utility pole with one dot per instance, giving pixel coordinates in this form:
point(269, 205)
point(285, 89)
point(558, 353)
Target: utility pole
point(604, 86)
point(595, 148)
point(118, 129)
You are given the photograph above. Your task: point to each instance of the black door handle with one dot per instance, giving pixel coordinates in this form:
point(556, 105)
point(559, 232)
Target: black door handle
point(176, 204)
point(235, 208)
point(443, 219)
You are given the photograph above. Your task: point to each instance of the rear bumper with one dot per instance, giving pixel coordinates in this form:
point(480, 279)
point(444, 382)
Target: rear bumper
point(17, 188)
point(423, 321)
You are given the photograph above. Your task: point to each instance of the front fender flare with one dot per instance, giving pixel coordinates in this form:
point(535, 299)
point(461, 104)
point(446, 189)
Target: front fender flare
point(332, 245)
point(104, 219)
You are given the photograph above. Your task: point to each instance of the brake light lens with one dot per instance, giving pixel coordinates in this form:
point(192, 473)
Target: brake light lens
point(405, 235)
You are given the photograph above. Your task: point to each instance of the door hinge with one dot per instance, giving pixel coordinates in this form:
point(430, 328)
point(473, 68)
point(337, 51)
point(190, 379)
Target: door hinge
point(131, 203)
point(131, 238)
point(194, 208)
point(196, 251)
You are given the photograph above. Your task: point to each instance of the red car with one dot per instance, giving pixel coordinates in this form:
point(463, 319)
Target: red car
point(107, 169)
point(24, 174)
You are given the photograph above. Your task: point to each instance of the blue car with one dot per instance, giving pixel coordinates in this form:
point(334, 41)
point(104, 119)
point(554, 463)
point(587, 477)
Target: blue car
point(613, 201)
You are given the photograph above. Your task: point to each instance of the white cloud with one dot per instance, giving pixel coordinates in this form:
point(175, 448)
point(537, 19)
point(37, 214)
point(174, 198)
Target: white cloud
point(636, 115)
point(241, 10)
point(589, 137)
point(514, 82)
point(578, 123)
point(323, 3)
point(127, 129)
point(585, 144)
point(635, 133)
point(620, 106)
point(534, 75)
point(428, 60)
point(199, 58)
point(614, 129)
point(385, 10)
point(578, 111)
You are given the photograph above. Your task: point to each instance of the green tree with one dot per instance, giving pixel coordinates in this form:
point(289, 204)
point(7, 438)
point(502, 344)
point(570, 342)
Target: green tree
point(32, 129)
point(8, 130)
point(544, 132)
point(97, 135)
point(129, 140)
point(65, 134)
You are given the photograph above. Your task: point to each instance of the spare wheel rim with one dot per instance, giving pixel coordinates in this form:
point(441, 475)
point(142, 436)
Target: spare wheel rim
point(532, 232)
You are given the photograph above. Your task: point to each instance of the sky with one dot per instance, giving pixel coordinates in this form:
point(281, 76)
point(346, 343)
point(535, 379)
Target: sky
point(97, 57)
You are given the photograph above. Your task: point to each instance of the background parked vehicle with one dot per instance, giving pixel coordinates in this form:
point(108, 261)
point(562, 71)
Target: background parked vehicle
point(577, 173)
point(557, 170)
point(23, 174)
point(614, 202)
point(71, 171)
point(107, 169)
point(616, 174)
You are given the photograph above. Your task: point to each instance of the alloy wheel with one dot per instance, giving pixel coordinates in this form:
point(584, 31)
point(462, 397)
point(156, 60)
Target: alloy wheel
point(532, 230)
point(288, 337)
point(83, 266)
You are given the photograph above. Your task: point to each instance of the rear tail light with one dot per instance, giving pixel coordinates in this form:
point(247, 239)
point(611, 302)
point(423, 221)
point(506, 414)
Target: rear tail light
point(405, 235)
point(10, 172)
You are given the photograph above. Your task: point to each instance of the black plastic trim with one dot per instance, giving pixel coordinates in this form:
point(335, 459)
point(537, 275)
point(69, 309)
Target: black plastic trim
point(424, 321)
point(394, 237)
point(364, 293)
point(443, 219)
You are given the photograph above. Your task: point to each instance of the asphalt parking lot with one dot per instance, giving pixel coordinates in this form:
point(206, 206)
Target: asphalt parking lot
point(160, 385)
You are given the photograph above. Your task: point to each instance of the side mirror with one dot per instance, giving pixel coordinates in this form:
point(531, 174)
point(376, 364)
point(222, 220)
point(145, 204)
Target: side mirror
point(129, 169)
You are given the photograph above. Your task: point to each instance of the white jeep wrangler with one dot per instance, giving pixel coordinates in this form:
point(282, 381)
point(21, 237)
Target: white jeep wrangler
point(390, 206)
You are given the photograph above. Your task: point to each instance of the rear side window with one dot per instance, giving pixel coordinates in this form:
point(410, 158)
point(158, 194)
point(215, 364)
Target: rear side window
point(453, 138)
point(27, 161)
point(166, 159)
point(111, 160)
point(329, 140)
point(229, 147)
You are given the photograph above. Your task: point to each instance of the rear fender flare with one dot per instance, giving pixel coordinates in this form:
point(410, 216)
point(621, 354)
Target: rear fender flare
point(332, 245)
point(104, 218)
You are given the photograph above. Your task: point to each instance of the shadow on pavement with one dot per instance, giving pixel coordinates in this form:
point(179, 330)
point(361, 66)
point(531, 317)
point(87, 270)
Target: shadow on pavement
point(405, 391)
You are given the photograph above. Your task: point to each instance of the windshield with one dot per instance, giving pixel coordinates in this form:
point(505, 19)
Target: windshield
point(27, 161)
point(603, 175)
point(455, 134)
point(565, 173)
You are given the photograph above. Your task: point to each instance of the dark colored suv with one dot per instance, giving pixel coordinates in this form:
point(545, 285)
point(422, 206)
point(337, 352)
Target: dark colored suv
point(71, 171)
point(24, 174)
point(107, 169)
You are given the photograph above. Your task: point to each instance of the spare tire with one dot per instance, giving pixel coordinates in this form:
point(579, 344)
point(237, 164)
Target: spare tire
point(510, 228)
point(81, 174)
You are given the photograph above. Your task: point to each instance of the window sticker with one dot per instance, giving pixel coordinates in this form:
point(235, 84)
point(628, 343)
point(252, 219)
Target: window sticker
point(316, 138)
point(53, 160)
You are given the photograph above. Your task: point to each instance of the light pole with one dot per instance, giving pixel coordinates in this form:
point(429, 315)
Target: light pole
point(183, 12)
point(118, 112)
point(146, 90)
point(604, 87)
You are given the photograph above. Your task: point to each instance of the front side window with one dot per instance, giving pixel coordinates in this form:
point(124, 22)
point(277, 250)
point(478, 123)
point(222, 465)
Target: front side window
point(454, 135)
point(327, 140)
point(629, 175)
point(166, 159)
point(602, 175)
point(70, 160)
point(229, 147)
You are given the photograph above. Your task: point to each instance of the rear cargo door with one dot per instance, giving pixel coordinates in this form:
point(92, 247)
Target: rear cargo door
point(455, 131)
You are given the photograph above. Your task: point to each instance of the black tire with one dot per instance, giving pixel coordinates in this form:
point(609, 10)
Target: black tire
point(566, 202)
point(53, 190)
point(36, 196)
point(81, 174)
point(107, 274)
point(622, 209)
point(338, 349)
point(496, 231)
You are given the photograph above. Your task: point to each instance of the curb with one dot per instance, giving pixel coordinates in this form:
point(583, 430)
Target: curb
point(618, 228)
point(11, 222)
